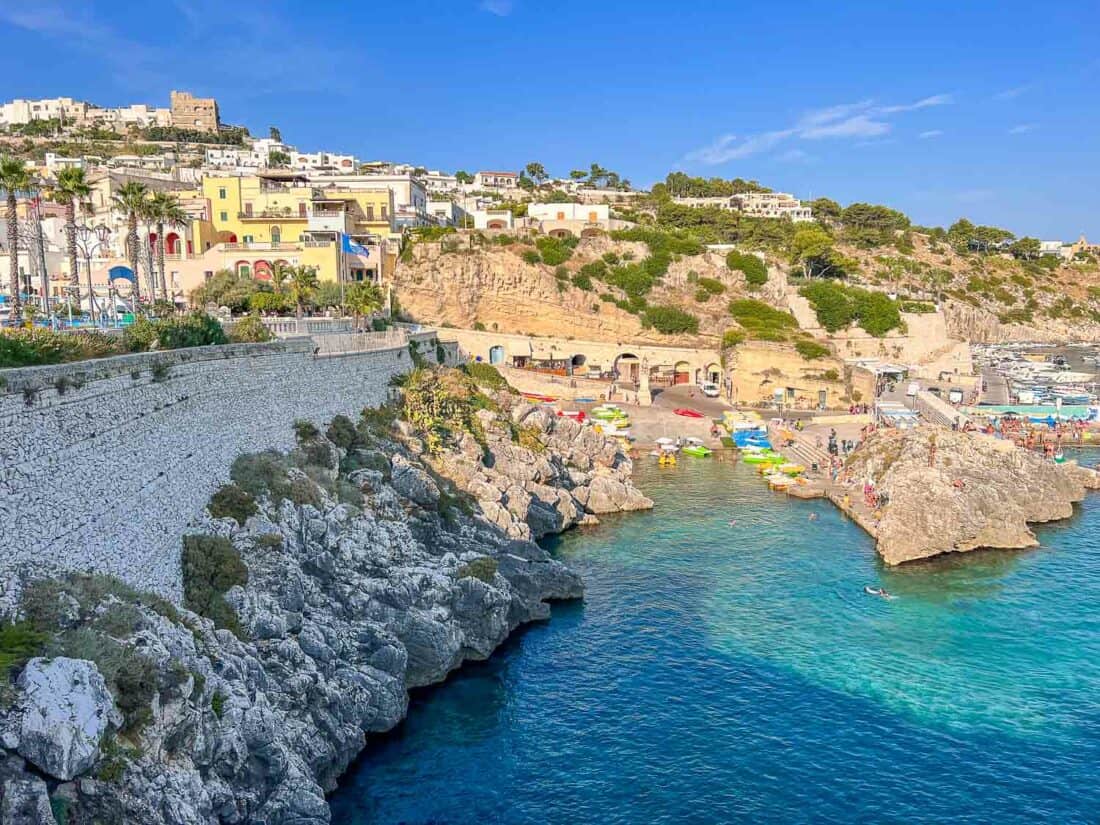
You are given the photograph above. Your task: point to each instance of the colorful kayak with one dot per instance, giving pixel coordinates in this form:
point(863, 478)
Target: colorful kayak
point(688, 413)
point(696, 450)
point(545, 399)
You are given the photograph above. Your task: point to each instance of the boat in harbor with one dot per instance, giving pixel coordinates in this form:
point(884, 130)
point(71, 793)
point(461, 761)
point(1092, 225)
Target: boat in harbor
point(695, 447)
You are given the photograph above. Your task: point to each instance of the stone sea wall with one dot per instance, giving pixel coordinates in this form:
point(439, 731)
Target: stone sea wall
point(103, 463)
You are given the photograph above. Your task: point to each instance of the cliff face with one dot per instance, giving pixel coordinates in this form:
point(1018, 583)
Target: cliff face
point(493, 285)
point(953, 492)
point(377, 574)
point(979, 325)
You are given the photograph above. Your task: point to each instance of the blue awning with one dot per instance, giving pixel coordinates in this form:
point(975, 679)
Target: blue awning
point(121, 272)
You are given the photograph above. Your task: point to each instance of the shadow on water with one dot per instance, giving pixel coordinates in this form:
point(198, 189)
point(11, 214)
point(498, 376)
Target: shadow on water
point(712, 674)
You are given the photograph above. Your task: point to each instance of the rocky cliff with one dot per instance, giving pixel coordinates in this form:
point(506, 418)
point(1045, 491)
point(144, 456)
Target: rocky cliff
point(462, 283)
point(953, 492)
point(321, 585)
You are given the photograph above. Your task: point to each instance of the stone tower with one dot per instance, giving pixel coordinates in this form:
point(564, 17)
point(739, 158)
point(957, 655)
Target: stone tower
point(190, 112)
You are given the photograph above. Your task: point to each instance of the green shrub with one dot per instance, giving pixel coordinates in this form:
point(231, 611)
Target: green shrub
point(811, 349)
point(702, 296)
point(561, 273)
point(732, 337)
point(838, 306)
point(756, 274)
point(917, 306)
point(582, 281)
point(36, 347)
point(479, 327)
point(531, 256)
point(486, 375)
point(712, 285)
point(211, 566)
point(553, 251)
point(670, 320)
point(762, 321)
point(230, 501)
point(217, 703)
point(305, 430)
point(341, 432)
point(269, 302)
point(195, 330)
point(483, 568)
point(611, 258)
point(120, 620)
point(19, 641)
point(250, 330)
point(597, 270)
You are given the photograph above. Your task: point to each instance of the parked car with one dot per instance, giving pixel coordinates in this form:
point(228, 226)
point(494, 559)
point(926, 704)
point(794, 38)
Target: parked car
point(709, 389)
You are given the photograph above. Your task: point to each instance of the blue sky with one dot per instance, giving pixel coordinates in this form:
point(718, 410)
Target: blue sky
point(989, 110)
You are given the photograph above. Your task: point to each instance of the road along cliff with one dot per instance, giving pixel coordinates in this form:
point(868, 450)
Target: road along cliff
point(952, 492)
point(320, 585)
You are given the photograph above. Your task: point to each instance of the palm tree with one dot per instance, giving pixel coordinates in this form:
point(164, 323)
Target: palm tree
point(280, 272)
point(13, 179)
point(71, 188)
point(362, 298)
point(165, 210)
point(303, 283)
point(130, 200)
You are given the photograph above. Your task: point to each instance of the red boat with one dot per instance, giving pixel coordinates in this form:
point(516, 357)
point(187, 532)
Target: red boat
point(688, 413)
point(532, 396)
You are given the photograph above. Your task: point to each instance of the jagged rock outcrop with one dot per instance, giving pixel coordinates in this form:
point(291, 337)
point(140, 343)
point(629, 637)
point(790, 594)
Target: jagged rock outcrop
point(375, 572)
point(567, 474)
point(952, 492)
point(66, 710)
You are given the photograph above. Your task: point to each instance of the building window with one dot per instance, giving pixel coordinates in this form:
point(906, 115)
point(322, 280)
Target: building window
point(276, 234)
point(221, 193)
point(223, 216)
point(301, 209)
point(383, 213)
point(247, 239)
point(370, 213)
point(248, 209)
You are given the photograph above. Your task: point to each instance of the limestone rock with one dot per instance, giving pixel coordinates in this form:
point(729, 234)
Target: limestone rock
point(66, 710)
point(953, 492)
point(26, 802)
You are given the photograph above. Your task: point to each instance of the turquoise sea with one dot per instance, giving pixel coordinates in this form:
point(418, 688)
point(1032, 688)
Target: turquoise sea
point(718, 673)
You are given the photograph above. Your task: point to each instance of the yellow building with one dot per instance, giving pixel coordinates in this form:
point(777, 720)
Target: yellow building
point(255, 222)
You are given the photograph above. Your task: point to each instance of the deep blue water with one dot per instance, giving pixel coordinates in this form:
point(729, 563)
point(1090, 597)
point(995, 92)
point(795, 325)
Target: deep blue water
point(728, 673)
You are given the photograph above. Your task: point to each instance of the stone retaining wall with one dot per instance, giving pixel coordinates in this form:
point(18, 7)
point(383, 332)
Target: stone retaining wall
point(104, 463)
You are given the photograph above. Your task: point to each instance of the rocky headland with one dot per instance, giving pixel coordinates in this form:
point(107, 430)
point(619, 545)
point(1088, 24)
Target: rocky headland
point(320, 586)
point(953, 492)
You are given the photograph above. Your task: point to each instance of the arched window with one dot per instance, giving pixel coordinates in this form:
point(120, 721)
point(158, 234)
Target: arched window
point(276, 234)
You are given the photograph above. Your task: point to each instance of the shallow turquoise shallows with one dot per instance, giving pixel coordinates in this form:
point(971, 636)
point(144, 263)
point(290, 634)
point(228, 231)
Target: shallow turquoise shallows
point(719, 672)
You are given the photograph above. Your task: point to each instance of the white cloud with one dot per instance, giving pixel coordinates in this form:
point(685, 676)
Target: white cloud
point(923, 103)
point(501, 8)
point(1014, 92)
point(726, 148)
point(861, 126)
point(863, 119)
point(1022, 128)
point(931, 133)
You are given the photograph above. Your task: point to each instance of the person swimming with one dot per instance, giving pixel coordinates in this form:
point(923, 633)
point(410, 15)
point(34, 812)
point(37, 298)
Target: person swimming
point(813, 517)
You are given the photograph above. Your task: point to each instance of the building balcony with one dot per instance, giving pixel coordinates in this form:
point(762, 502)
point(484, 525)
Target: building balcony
point(271, 215)
point(261, 246)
